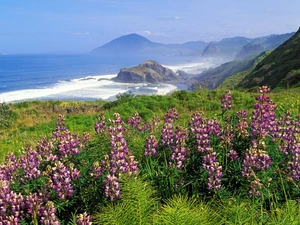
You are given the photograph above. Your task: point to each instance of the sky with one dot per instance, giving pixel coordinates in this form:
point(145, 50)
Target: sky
point(79, 26)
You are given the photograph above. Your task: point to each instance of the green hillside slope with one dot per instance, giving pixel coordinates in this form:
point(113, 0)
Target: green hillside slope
point(280, 69)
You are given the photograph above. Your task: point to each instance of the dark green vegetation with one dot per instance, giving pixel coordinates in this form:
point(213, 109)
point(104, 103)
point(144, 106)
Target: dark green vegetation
point(234, 79)
point(213, 78)
point(159, 193)
point(280, 69)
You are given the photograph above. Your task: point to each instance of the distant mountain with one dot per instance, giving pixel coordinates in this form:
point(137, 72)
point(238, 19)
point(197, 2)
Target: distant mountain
point(212, 78)
point(147, 72)
point(233, 80)
point(231, 48)
point(131, 43)
point(211, 50)
point(281, 68)
point(249, 50)
point(137, 44)
point(226, 49)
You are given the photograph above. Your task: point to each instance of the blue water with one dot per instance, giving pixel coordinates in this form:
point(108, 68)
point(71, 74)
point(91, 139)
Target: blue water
point(20, 72)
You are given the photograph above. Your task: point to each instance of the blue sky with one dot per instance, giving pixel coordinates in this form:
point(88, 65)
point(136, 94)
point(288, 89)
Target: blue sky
point(47, 26)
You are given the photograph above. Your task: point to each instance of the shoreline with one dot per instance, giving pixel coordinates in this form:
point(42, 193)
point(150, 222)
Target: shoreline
point(101, 87)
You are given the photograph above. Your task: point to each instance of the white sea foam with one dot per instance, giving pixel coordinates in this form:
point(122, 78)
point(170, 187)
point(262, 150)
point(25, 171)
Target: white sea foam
point(101, 87)
point(193, 67)
point(91, 87)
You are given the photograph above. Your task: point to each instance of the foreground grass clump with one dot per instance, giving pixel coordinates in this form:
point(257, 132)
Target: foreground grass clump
point(207, 157)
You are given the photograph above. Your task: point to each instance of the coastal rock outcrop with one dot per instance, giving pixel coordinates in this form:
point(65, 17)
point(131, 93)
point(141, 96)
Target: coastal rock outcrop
point(147, 72)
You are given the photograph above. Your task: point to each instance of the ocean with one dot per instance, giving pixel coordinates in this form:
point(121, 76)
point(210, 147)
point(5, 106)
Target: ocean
point(76, 77)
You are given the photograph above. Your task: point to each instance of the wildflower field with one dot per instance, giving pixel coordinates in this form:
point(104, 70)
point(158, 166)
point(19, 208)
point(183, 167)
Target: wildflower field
point(203, 157)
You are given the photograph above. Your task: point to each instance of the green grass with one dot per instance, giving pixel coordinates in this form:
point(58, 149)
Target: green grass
point(140, 203)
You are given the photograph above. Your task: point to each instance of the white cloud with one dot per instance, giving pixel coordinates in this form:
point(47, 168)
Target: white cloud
point(147, 32)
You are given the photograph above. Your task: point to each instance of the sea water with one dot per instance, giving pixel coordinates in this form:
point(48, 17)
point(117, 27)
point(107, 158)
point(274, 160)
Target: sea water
point(73, 77)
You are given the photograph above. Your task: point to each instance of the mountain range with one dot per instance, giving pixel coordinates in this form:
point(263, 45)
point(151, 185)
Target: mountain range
point(228, 48)
point(279, 68)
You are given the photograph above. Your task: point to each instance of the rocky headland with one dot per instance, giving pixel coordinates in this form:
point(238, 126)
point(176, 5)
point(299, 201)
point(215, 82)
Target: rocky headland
point(147, 72)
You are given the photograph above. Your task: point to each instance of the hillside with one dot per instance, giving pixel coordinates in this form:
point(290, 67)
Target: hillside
point(212, 78)
point(241, 47)
point(232, 81)
point(149, 71)
point(280, 69)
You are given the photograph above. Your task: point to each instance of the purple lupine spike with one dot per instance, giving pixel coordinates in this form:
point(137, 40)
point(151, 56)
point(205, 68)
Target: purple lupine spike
point(47, 214)
point(214, 169)
point(100, 125)
point(290, 143)
point(150, 146)
point(11, 165)
point(168, 129)
point(203, 128)
point(242, 126)
point(61, 178)
point(226, 101)
point(120, 160)
point(134, 121)
point(233, 155)
point(112, 187)
point(69, 145)
point(84, 219)
point(227, 137)
point(60, 127)
point(255, 187)
point(30, 164)
point(11, 205)
point(256, 159)
point(263, 122)
point(179, 150)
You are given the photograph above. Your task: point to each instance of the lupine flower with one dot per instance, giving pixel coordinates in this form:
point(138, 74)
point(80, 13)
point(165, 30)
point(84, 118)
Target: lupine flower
point(120, 159)
point(263, 122)
point(290, 143)
point(47, 214)
point(84, 219)
point(97, 169)
point(11, 165)
point(60, 179)
point(256, 159)
point(226, 101)
point(30, 164)
point(60, 127)
point(134, 121)
point(45, 149)
point(100, 126)
point(214, 169)
point(233, 155)
point(179, 151)
point(203, 128)
point(255, 188)
point(227, 137)
point(150, 146)
point(242, 126)
point(167, 130)
point(112, 187)
point(68, 145)
point(11, 205)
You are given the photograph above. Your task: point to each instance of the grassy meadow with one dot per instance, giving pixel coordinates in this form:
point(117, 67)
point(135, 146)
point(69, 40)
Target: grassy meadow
point(201, 157)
